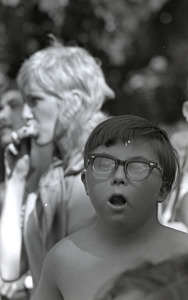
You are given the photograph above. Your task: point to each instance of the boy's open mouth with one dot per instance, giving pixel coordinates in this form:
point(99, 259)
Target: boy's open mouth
point(117, 200)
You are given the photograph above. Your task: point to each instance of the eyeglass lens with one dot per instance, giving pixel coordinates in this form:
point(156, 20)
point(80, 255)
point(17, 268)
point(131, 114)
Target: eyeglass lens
point(134, 170)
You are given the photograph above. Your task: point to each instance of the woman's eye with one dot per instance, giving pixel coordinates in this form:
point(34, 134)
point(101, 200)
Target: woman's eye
point(32, 101)
point(15, 105)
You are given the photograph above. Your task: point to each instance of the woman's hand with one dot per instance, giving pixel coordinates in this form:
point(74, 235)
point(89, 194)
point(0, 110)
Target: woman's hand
point(14, 166)
point(10, 158)
point(15, 289)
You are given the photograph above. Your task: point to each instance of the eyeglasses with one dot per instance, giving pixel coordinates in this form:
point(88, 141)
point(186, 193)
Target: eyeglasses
point(136, 170)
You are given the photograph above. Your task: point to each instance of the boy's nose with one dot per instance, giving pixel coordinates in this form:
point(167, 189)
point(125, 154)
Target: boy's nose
point(27, 112)
point(119, 176)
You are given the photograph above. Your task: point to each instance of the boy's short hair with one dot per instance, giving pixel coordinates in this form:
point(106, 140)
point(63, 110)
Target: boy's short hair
point(125, 128)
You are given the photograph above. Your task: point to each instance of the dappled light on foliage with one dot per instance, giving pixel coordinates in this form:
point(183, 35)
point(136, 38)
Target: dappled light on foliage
point(142, 45)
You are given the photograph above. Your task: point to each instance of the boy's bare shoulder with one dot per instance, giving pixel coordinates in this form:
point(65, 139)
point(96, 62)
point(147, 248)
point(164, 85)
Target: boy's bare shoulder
point(70, 246)
point(175, 233)
point(174, 240)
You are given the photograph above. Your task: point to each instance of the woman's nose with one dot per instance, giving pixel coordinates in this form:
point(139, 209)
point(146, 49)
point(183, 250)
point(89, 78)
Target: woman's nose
point(119, 176)
point(27, 112)
point(5, 114)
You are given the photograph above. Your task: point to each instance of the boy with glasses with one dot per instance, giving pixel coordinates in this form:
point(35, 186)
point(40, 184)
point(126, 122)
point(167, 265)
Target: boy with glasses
point(130, 166)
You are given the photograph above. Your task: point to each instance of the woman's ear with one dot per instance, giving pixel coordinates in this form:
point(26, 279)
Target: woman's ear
point(185, 110)
point(76, 99)
point(69, 105)
point(77, 94)
point(83, 178)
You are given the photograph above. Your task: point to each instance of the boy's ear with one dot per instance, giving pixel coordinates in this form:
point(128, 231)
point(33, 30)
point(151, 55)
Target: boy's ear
point(185, 110)
point(163, 193)
point(83, 178)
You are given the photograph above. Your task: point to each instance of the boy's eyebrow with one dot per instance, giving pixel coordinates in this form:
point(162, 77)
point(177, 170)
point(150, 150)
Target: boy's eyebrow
point(142, 158)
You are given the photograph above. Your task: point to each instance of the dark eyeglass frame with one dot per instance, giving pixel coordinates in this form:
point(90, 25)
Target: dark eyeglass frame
point(124, 164)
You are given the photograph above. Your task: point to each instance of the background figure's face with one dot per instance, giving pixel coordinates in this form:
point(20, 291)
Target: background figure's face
point(185, 110)
point(11, 104)
point(43, 109)
point(179, 141)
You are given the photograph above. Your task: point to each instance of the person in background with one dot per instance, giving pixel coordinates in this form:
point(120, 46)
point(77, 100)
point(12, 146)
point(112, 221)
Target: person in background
point(183, 205)
point(2, 173)
point(11, 106)
point(64, 89)
point(174, 212)
point(130, 166)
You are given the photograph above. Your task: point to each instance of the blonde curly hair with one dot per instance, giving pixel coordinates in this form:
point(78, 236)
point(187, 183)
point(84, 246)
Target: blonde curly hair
point(59, 69)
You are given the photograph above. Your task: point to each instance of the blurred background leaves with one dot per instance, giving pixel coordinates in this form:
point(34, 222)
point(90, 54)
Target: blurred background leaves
point(142, 45)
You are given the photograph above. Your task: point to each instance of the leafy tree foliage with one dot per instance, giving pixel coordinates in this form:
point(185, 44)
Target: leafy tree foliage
point(142, 45)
